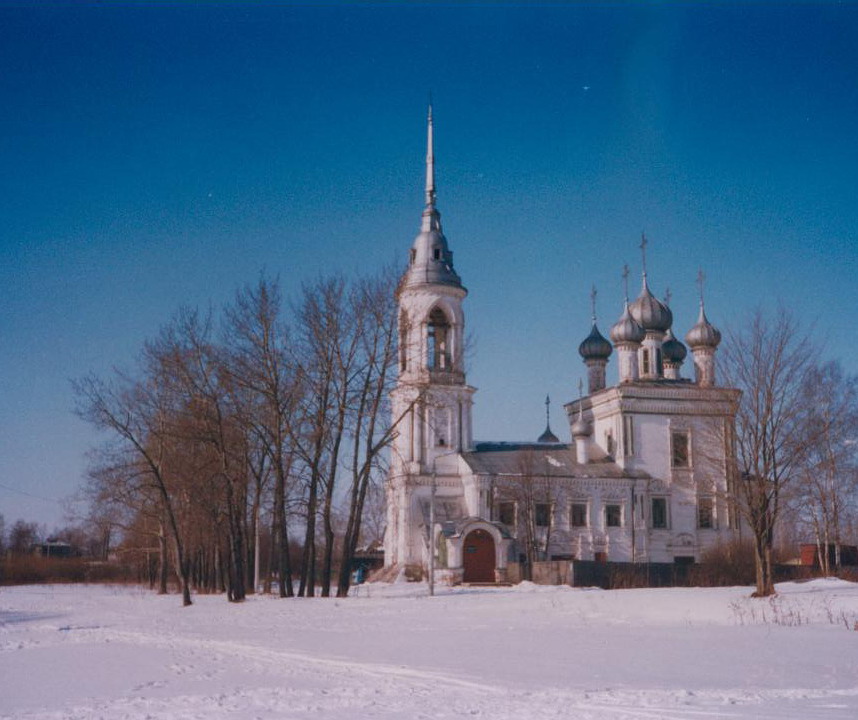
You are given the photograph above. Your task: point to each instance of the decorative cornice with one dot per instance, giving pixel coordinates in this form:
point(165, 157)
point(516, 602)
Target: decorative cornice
point(657, 398)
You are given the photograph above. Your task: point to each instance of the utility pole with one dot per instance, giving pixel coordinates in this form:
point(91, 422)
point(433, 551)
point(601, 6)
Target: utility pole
point(432, 533)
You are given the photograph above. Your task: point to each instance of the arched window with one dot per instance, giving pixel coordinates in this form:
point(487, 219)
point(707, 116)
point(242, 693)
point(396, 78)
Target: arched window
point(438, 355)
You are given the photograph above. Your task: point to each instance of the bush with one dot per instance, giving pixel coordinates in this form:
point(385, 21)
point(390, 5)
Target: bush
point(730, 563)
point(32, 569)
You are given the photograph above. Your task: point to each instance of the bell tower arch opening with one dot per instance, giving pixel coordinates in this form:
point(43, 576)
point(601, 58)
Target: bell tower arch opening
point(438, 335)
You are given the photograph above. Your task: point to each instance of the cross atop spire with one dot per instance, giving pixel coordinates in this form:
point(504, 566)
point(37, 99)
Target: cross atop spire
point(430, 160)
point(547, 410)
point(701, 278)
point(667, 296)
point(626, 280)
point(642, 246)
point(593, 294)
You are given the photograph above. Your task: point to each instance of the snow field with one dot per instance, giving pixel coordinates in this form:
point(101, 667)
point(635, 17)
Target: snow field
point(391, 652)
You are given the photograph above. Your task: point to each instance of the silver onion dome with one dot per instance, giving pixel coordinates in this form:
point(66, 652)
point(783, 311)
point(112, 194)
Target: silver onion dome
point(581, 428)
point(626, 330)
point(672, 349)
point(704, 334)
point(649, 312)
point(595, 346)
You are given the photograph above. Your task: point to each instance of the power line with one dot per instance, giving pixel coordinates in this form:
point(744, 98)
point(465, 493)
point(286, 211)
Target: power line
point(24, 492)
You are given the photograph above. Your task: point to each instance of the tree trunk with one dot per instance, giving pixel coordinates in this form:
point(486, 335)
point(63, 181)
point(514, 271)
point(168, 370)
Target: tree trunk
point(308, 569)
point(256, 547)
point(280, 532)
point(162, 561)
point(763, 560)
point(327, 560)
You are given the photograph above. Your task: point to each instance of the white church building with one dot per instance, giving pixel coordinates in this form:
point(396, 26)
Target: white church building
point(644, 480)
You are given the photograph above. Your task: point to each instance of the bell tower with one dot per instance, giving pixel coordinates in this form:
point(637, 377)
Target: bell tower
point(431, 401)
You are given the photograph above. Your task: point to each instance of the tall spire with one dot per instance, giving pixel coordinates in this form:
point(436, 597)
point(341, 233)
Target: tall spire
point(431, 216)
point(430, 161)
point(431, 260)
point(547, 436)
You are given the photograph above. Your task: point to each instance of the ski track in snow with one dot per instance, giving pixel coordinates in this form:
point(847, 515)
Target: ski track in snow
point(198, 677)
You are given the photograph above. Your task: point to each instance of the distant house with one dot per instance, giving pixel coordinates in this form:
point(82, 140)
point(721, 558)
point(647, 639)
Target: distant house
point(53, 549)
point(369, 558)
point(810, 554)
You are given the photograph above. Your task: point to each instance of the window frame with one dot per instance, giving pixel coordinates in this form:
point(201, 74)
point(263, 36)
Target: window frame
point(665, 524)
point(706, 501)
point(500, 510)
point(619, 507)
point(629, 449)
point(585, 506)
point(686, 436)
point(536, 514)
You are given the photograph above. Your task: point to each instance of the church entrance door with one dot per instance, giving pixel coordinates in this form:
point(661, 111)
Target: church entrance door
point(479, 557)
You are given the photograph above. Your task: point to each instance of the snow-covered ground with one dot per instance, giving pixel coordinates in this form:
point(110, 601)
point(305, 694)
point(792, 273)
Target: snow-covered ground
point(391, 652)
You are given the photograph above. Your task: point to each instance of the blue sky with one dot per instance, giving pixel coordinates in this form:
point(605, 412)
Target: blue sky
point(155, 155)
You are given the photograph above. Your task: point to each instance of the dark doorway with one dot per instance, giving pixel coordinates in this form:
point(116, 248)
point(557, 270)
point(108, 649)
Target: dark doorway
point(479, 557)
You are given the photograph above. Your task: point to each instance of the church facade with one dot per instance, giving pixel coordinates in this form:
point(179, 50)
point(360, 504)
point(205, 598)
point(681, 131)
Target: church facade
point(645, 479)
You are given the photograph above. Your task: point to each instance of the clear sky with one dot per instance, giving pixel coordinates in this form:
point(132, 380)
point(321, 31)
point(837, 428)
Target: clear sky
point(154, 155)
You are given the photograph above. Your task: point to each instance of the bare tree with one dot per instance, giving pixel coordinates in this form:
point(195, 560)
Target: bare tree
point(136, 414)
point(768, 360)
point(370, 426)
point(829, 468)
point(22, 536)
point(194, 365)
point(327, 355)
point(209, 423)
point(257, 344)
point(534, 491)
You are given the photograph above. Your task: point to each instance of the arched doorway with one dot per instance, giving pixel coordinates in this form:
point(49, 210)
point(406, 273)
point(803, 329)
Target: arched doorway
point(479, 557)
